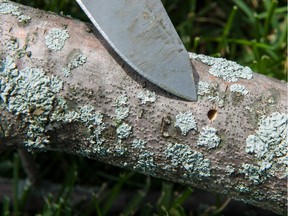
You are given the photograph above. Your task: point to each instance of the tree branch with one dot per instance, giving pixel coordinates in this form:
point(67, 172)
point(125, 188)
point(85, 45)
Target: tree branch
point(63, 89)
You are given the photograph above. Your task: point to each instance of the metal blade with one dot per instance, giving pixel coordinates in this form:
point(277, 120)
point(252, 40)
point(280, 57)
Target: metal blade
point(141, 32)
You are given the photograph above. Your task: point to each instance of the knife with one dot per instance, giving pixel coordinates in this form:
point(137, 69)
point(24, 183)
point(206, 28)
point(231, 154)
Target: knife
point(141, 32)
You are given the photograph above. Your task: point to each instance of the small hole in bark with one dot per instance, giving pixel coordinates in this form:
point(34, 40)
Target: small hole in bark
point(212, 114)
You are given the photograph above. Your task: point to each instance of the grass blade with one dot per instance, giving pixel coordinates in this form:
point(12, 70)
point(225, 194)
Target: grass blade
point(114, 192)
point(268, 19)
point(178, 210)
point(246, 9)
point(6, 205)
point(182, 198)
point(147, 210)
point(15, 185)
point(137, 199)
point(164, 201)
point(226, 31)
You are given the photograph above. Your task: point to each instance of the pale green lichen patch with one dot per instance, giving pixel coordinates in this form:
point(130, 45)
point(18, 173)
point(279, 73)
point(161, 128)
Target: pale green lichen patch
point(55, 39)
point(123, 131)
point(145, 160)
point(269, 144)
point(203, 88)
point(29, 93)
point(119, 149)
point(8, 8)
point(12, 44)
point(90, 116)
point(86, 115)
point(242, 189)
point(208, 138)
point(253, 173)
point(208, 90)
point(239, 89)
point(186, 122)
point(14, 48)
point(230, 169)
point(78, 60)
point(121, 108)
point(223, 68)
point(121, 113)
point(184, 157)
point(147, 97)
point(121, 100)
point(139, 143)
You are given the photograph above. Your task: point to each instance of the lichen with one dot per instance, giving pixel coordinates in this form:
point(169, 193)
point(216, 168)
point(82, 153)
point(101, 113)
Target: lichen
point(208, 138)
point(12, 44)
point(269, 144)
point(121, 100)
point(223, 68)
point(121, 108)
point(147, 97)
point(186, 122)
point(193, 162)
point(86, 115)
point(66, 72)
point(90, 116)
point(15, 51)
point(203, 88)
point(123, 131)
point(145, 162)
point(118, 149)
point(29, 93)
point(78, 60)
point(229, 169)
point(239, 88)
point(55, 39)
point(8, 8)
point(139, 143)
point(242, 189)
point(253, 173)
point(209, 91)
point(121, 113)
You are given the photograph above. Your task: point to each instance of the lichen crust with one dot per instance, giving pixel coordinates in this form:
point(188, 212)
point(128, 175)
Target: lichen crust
point(269, 145)
point(223, 68)
point(186, 122)
point(239, 89)
point(121, 108)
point(145, 162)
point(208, 138)
point(193, 162)
point(123, 131)
point(55, 39)
point(29, 93)
point(147, 97)
point(203, 88)
point(77, 61)
point(139, 143)
point(8, 8)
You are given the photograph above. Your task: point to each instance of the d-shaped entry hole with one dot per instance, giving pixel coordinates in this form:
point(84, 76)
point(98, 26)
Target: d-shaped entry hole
point(212, 114)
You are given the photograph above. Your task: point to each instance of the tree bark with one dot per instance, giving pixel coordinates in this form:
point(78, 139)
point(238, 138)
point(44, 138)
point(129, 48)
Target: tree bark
point(63, 89)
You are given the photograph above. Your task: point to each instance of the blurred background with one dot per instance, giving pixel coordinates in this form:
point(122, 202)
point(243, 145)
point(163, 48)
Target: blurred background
point(250, 32)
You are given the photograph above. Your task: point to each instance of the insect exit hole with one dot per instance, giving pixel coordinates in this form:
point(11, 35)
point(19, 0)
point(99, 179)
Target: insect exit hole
point(212, 114)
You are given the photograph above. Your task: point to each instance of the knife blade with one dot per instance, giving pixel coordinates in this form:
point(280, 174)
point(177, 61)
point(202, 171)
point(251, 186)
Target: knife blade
point(141, 32)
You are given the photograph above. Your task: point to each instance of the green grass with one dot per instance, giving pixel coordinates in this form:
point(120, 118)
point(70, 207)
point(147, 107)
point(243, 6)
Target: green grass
point(250, 32)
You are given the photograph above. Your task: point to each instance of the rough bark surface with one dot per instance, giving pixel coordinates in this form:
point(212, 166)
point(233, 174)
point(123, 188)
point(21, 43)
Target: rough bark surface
point(63, 89)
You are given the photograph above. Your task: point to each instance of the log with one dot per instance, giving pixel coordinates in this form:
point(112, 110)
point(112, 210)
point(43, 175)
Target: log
point(64, 89)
